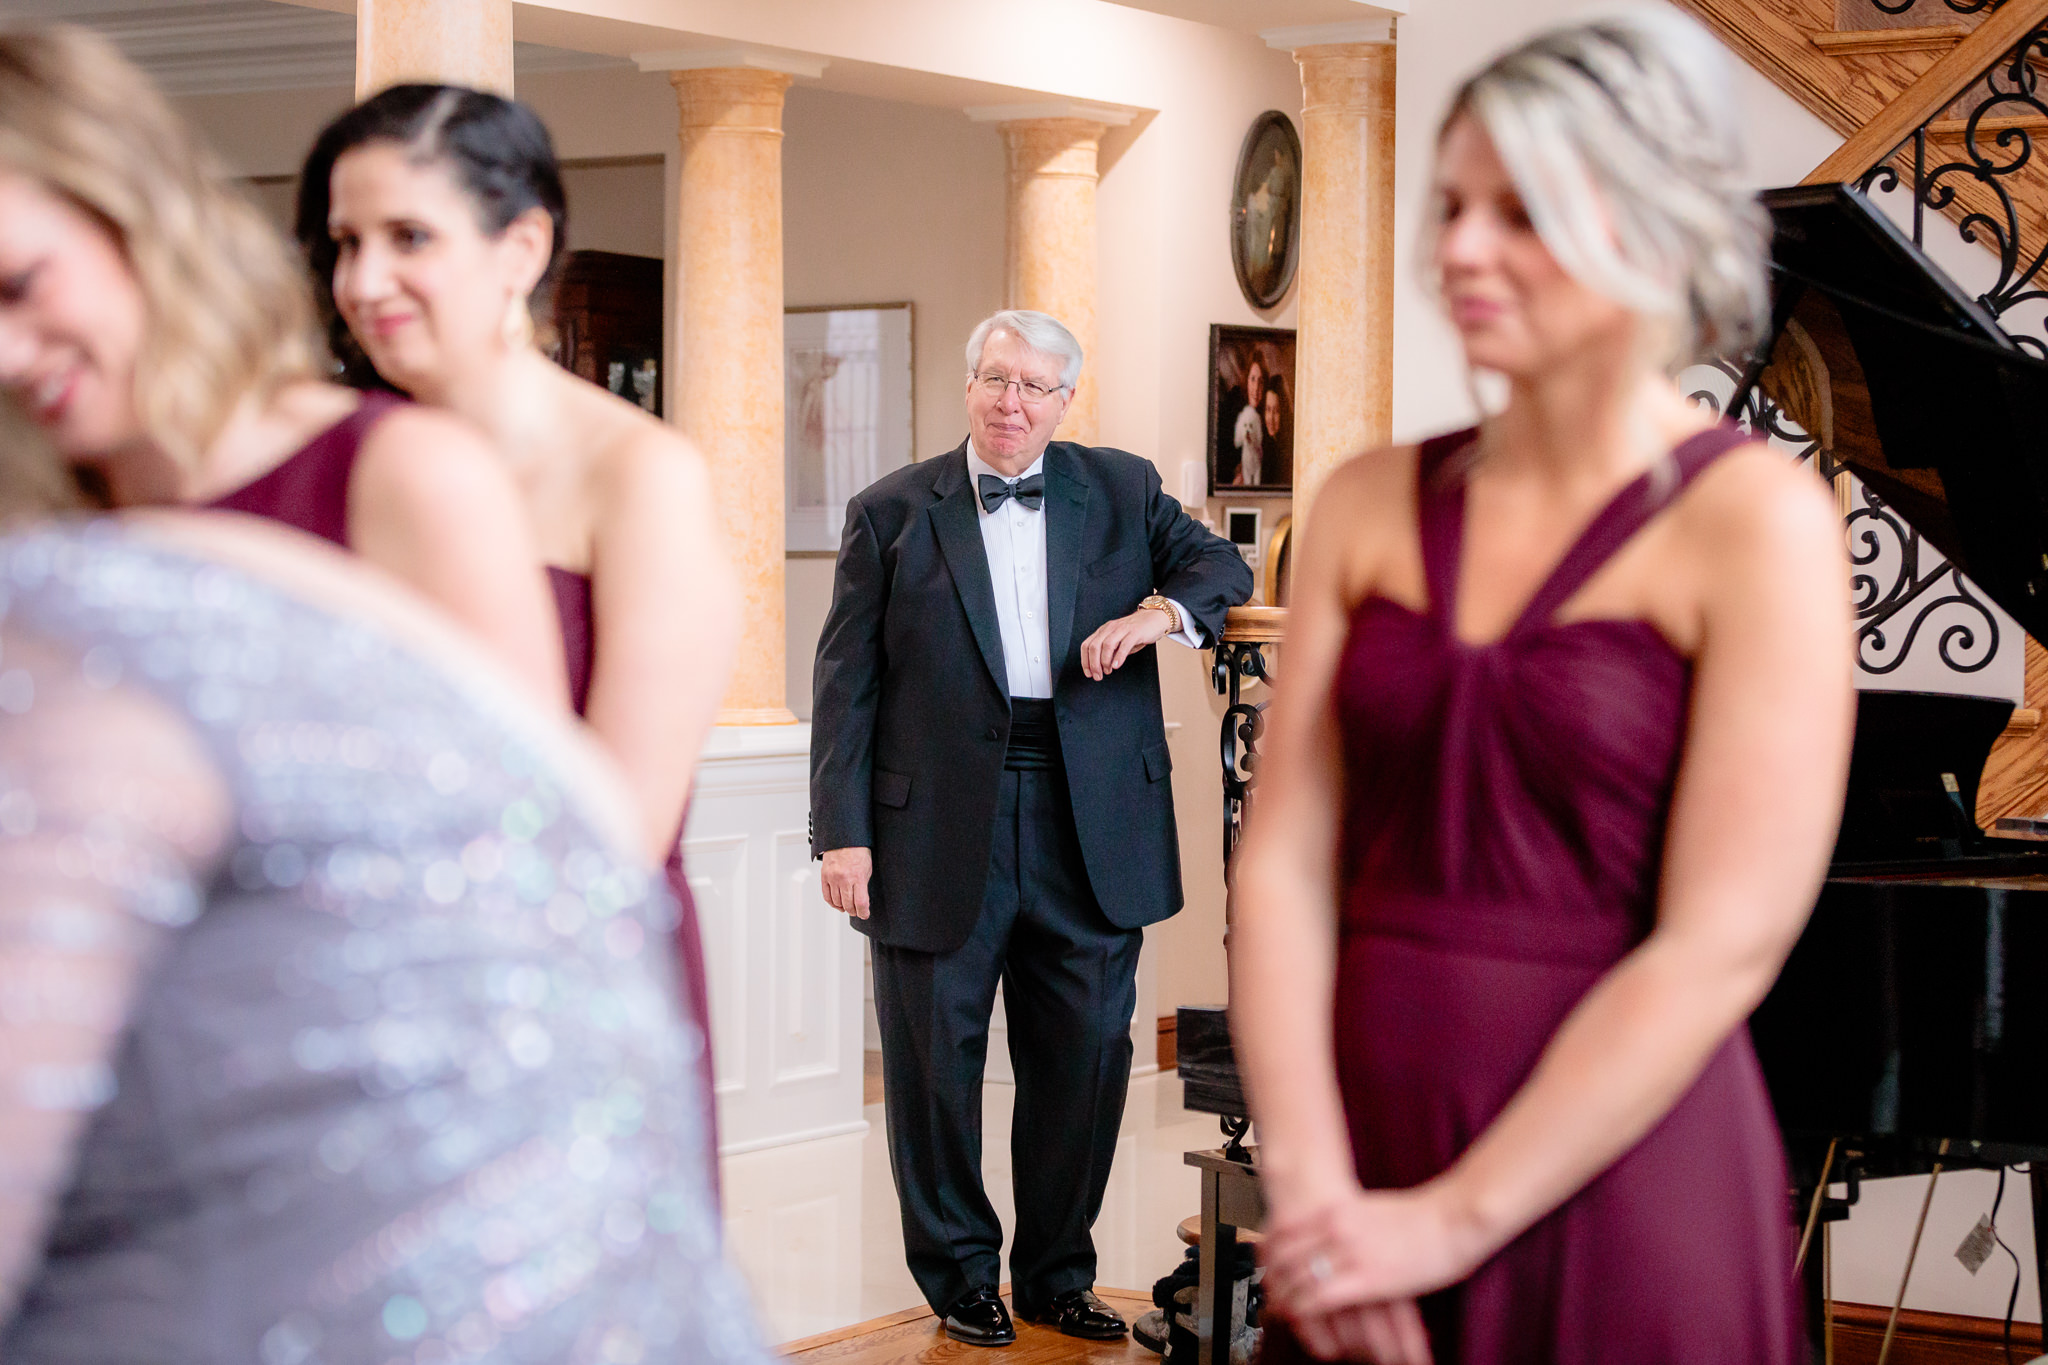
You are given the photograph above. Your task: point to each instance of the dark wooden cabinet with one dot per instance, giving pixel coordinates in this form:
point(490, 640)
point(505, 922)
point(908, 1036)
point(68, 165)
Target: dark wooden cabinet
point(608, 324)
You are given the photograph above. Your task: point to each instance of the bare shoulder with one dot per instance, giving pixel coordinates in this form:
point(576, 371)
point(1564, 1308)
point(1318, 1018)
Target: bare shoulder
point(1757, 505)
point(1363, 521)
point(1373, 483)
point(416, 452)
point(635, 457)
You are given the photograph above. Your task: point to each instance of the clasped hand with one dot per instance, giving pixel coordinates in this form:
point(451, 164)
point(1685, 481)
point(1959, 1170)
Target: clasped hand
point(1344, 1269)
point(1104, 652)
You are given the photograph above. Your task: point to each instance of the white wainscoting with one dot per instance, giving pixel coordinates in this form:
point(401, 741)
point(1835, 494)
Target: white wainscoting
point(784, 970)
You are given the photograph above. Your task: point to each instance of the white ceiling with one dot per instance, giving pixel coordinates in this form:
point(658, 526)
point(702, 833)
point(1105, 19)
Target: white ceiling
point(212, 47)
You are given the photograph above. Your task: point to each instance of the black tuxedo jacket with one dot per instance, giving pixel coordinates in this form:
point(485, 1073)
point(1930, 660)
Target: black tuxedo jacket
point(911, 710)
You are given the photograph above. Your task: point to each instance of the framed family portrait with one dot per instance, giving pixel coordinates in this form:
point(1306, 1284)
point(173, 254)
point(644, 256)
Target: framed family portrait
point(846, 373)
point(1251, 410)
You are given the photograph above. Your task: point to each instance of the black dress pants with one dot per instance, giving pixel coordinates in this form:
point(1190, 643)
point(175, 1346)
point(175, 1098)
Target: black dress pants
point(1069, 981)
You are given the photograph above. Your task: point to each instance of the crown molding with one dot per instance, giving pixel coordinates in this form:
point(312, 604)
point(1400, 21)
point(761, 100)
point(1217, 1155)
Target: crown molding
point(1114, 115)
point(752, 58)
point(1379, 29)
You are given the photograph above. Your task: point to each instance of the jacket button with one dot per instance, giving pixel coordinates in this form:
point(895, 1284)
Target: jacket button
point(994, 733)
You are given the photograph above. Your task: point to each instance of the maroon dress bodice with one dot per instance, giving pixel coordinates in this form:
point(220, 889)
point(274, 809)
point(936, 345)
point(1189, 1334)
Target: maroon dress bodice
point(1502, 835)
point(309, 490)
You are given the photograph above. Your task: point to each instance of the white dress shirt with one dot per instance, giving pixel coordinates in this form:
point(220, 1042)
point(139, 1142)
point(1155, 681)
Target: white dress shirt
point(1014, 537)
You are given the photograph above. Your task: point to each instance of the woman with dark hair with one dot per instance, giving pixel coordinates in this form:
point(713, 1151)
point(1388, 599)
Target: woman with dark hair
point(434, 221)
point(1553, 774)
point(157, 331)
point(294, 1066)
point(1276, 422)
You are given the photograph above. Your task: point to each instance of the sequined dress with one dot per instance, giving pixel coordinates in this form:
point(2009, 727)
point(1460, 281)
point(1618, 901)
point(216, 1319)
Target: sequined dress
point(1501, 840)
point(404, 1076)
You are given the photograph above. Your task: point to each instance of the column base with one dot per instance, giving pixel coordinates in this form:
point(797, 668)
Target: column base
point(756, 715)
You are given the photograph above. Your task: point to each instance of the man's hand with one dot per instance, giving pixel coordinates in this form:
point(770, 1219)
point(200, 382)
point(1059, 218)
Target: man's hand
point(1104, 652)
point(845, 878)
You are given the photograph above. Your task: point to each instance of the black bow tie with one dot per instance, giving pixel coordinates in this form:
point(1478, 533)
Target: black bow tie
point(1028, 492)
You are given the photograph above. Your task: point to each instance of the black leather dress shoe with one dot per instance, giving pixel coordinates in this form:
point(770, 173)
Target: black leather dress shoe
point(979, 1318)
point(1078, 1313)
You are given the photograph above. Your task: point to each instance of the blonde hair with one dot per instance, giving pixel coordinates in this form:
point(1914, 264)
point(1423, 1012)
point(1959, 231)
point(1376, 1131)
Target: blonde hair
point(1620, 136)
point(229, 313)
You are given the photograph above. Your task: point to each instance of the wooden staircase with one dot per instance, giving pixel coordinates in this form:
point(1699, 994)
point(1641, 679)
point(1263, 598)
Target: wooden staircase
point(1916, 92)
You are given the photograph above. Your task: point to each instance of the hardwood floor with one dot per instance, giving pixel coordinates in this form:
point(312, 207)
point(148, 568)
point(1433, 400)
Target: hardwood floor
point(914, 1335)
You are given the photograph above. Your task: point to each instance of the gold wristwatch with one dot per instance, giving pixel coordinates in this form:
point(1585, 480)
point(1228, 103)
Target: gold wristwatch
point(1165, 604)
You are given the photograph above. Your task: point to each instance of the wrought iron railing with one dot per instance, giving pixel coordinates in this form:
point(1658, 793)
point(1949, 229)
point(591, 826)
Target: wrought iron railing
point(1241, 659)
point(1896, 597)
point(1971, 170)
point(1934, 7)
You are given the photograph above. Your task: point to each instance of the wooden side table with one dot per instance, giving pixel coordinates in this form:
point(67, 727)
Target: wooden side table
point(1230, 1201)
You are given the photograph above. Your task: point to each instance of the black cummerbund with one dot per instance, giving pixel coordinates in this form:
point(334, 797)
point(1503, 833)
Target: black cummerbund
point(1034, 736)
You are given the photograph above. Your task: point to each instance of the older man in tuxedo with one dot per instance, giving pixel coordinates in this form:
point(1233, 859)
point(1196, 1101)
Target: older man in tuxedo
point(989, 794)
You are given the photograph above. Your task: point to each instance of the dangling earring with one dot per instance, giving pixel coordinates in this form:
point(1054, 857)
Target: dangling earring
point(517, 329)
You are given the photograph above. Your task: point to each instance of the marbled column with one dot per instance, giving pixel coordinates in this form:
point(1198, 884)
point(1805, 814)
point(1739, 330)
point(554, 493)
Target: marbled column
point(728, 319)
point(456, 42)
point(1344, 359)
point(1051, 239)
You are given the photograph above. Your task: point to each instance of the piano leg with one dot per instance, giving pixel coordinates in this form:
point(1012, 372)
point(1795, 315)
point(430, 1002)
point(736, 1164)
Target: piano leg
point(2037, 1184)
point(1813, 1284)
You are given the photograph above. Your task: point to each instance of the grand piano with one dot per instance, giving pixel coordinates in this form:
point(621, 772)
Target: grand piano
point(1909, 1028)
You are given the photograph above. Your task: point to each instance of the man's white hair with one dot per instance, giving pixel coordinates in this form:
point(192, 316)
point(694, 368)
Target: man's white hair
point(1042, 332)
point(1620, 133)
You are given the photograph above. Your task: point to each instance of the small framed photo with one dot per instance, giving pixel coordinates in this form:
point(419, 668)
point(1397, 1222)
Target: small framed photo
point(1241, 528)
point(847, 378)
point(1251, 410)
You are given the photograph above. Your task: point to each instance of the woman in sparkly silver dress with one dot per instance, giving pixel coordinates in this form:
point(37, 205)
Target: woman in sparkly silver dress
point(336, 1018)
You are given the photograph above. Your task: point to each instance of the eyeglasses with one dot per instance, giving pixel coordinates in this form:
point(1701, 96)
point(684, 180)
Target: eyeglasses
point(1028, 391)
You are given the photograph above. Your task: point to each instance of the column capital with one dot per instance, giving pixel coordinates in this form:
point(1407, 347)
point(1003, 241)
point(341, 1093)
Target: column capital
point(732, 58)
point(1376, 30)
point(734, 98)
point(1053, 147)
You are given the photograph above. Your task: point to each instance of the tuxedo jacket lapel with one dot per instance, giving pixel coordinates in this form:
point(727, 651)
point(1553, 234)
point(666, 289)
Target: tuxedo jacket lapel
point(956, 524)
point(1066, 513)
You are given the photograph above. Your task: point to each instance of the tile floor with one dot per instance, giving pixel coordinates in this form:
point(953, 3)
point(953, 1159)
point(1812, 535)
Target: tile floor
point(814, 1225)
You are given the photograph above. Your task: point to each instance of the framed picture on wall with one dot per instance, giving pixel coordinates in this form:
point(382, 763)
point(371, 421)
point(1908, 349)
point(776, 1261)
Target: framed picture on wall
point(1251, 410)
point(1265, 210)
point(847, 412)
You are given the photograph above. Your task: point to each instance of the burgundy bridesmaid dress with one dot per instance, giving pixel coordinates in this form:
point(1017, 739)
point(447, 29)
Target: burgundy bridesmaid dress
point(309, 491)
point(1503, 823)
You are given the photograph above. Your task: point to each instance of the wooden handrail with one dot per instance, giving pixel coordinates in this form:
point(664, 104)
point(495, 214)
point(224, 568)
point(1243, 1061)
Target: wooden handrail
point(1951, 74)
point(1255, 625)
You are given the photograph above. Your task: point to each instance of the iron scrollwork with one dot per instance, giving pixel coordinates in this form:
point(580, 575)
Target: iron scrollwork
point(1955, 6)
point(1882, 546)
point(1997, 146)
point(1237, 662)
point(1894, 599)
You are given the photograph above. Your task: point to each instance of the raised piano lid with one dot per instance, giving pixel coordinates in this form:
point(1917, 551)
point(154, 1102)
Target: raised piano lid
point(1911, 382)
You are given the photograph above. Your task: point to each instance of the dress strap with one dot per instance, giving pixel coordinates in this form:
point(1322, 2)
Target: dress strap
point(1440, 517)
point(1629, 511)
